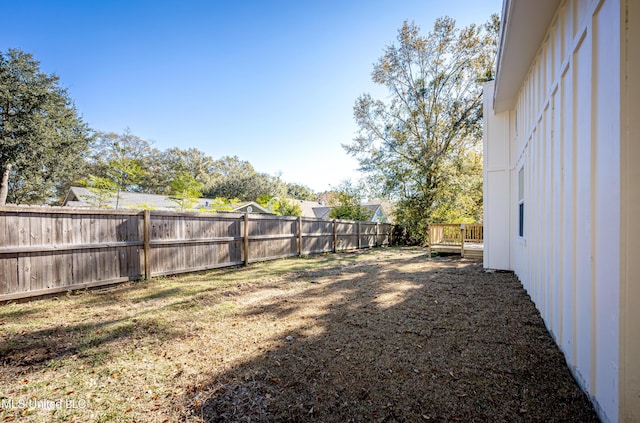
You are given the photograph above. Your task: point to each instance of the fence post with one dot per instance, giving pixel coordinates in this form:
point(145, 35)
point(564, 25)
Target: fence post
point(462, 230)
point(359, 243)
point(335, 237)
point(245, 239)
point(146, 236)
point(299, 235)
point(430, 240)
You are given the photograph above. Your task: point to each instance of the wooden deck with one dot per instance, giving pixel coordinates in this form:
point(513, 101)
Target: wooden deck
point(466, 240)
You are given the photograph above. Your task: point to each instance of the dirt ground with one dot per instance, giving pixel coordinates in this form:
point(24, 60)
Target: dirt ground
point(384, 335)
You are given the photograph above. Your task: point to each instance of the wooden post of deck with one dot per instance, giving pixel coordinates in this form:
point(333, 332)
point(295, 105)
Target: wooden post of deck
point(462, 230)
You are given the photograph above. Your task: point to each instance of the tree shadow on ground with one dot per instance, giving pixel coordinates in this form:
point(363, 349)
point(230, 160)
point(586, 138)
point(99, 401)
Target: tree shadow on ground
point(397, 340)
point(84, 340)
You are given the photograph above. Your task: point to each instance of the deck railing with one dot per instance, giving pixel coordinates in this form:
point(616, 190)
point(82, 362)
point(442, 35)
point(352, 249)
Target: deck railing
point(453, 236)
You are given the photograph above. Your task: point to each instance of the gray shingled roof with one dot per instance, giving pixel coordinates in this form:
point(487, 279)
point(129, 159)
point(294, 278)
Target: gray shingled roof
point(83, 197)
point(315, 209)
point(319, 210)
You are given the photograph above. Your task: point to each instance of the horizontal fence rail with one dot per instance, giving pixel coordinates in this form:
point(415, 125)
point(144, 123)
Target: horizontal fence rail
point(450, 237)
point(45, 250)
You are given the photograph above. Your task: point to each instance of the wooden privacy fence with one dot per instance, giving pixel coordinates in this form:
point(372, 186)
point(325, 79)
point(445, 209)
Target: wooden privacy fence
point(47, 250)
point(456, 237)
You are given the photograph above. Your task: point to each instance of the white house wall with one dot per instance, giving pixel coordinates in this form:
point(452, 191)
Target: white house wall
point(566, 134)
point(497, 175)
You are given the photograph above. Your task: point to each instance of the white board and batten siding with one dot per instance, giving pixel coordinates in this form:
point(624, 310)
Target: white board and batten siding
point(568, 132)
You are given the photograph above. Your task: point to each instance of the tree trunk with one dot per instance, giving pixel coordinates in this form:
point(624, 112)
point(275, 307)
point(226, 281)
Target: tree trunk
point(4, 185)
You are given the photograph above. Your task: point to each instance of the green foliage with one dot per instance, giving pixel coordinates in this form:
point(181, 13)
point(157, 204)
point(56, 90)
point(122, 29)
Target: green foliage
point(118, 158)
point(347, 203)
point(103, 191)
point(164, 166)
point(280, 206)
point(347, 212)
point(42, 138)
point(245, 185)
point(125, 173)
point(420, 146)
point(461, 201)
point(222, 205)
point(134, 165)
point(145, 206)
point(300, 192)
point(185, 191)
point(289, 208)
point(154, 171)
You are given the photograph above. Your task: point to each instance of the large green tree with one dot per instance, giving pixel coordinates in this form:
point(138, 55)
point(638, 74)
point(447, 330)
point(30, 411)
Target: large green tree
point(300, 192)
point(410, 142)
point(185, 191)
point(165, 166)
point(42, 138)
point(117, 164)
point(235, 178)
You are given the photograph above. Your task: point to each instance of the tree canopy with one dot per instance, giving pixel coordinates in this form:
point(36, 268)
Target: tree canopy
point(347, 202)
point(126, 162)
point(42, 137)
point(185, 191)
point(426, 131)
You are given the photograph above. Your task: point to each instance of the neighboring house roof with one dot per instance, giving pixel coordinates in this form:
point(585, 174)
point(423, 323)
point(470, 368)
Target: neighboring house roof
point(388, 209)
point(315, 209)
point(84, 197)
point(250, 207)
point(375, 210)
point(380, 211)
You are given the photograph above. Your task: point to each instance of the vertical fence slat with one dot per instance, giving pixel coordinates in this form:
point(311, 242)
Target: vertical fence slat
point(147, 244)
point(299, 235)
point(245, 239)
point(24, 261)
point(335, 236)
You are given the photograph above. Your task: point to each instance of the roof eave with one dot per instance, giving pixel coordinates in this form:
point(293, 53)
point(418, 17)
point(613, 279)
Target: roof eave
point(523, 28)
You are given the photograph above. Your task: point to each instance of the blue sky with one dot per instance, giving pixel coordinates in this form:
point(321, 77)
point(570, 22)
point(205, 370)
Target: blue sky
point(272, 82)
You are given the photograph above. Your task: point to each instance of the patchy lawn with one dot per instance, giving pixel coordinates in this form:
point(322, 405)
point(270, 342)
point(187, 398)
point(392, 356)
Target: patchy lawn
point(379, 335)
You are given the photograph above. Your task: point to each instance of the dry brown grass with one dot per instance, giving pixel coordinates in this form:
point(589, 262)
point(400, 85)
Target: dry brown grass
point(383, 335)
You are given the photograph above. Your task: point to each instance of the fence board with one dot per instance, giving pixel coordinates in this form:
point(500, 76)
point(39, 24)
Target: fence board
point(347, 235)
point(5, 262)
point(8, 263)
point(49, 250)
point(367, 235)
point(317, 236)
point(24, 261)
